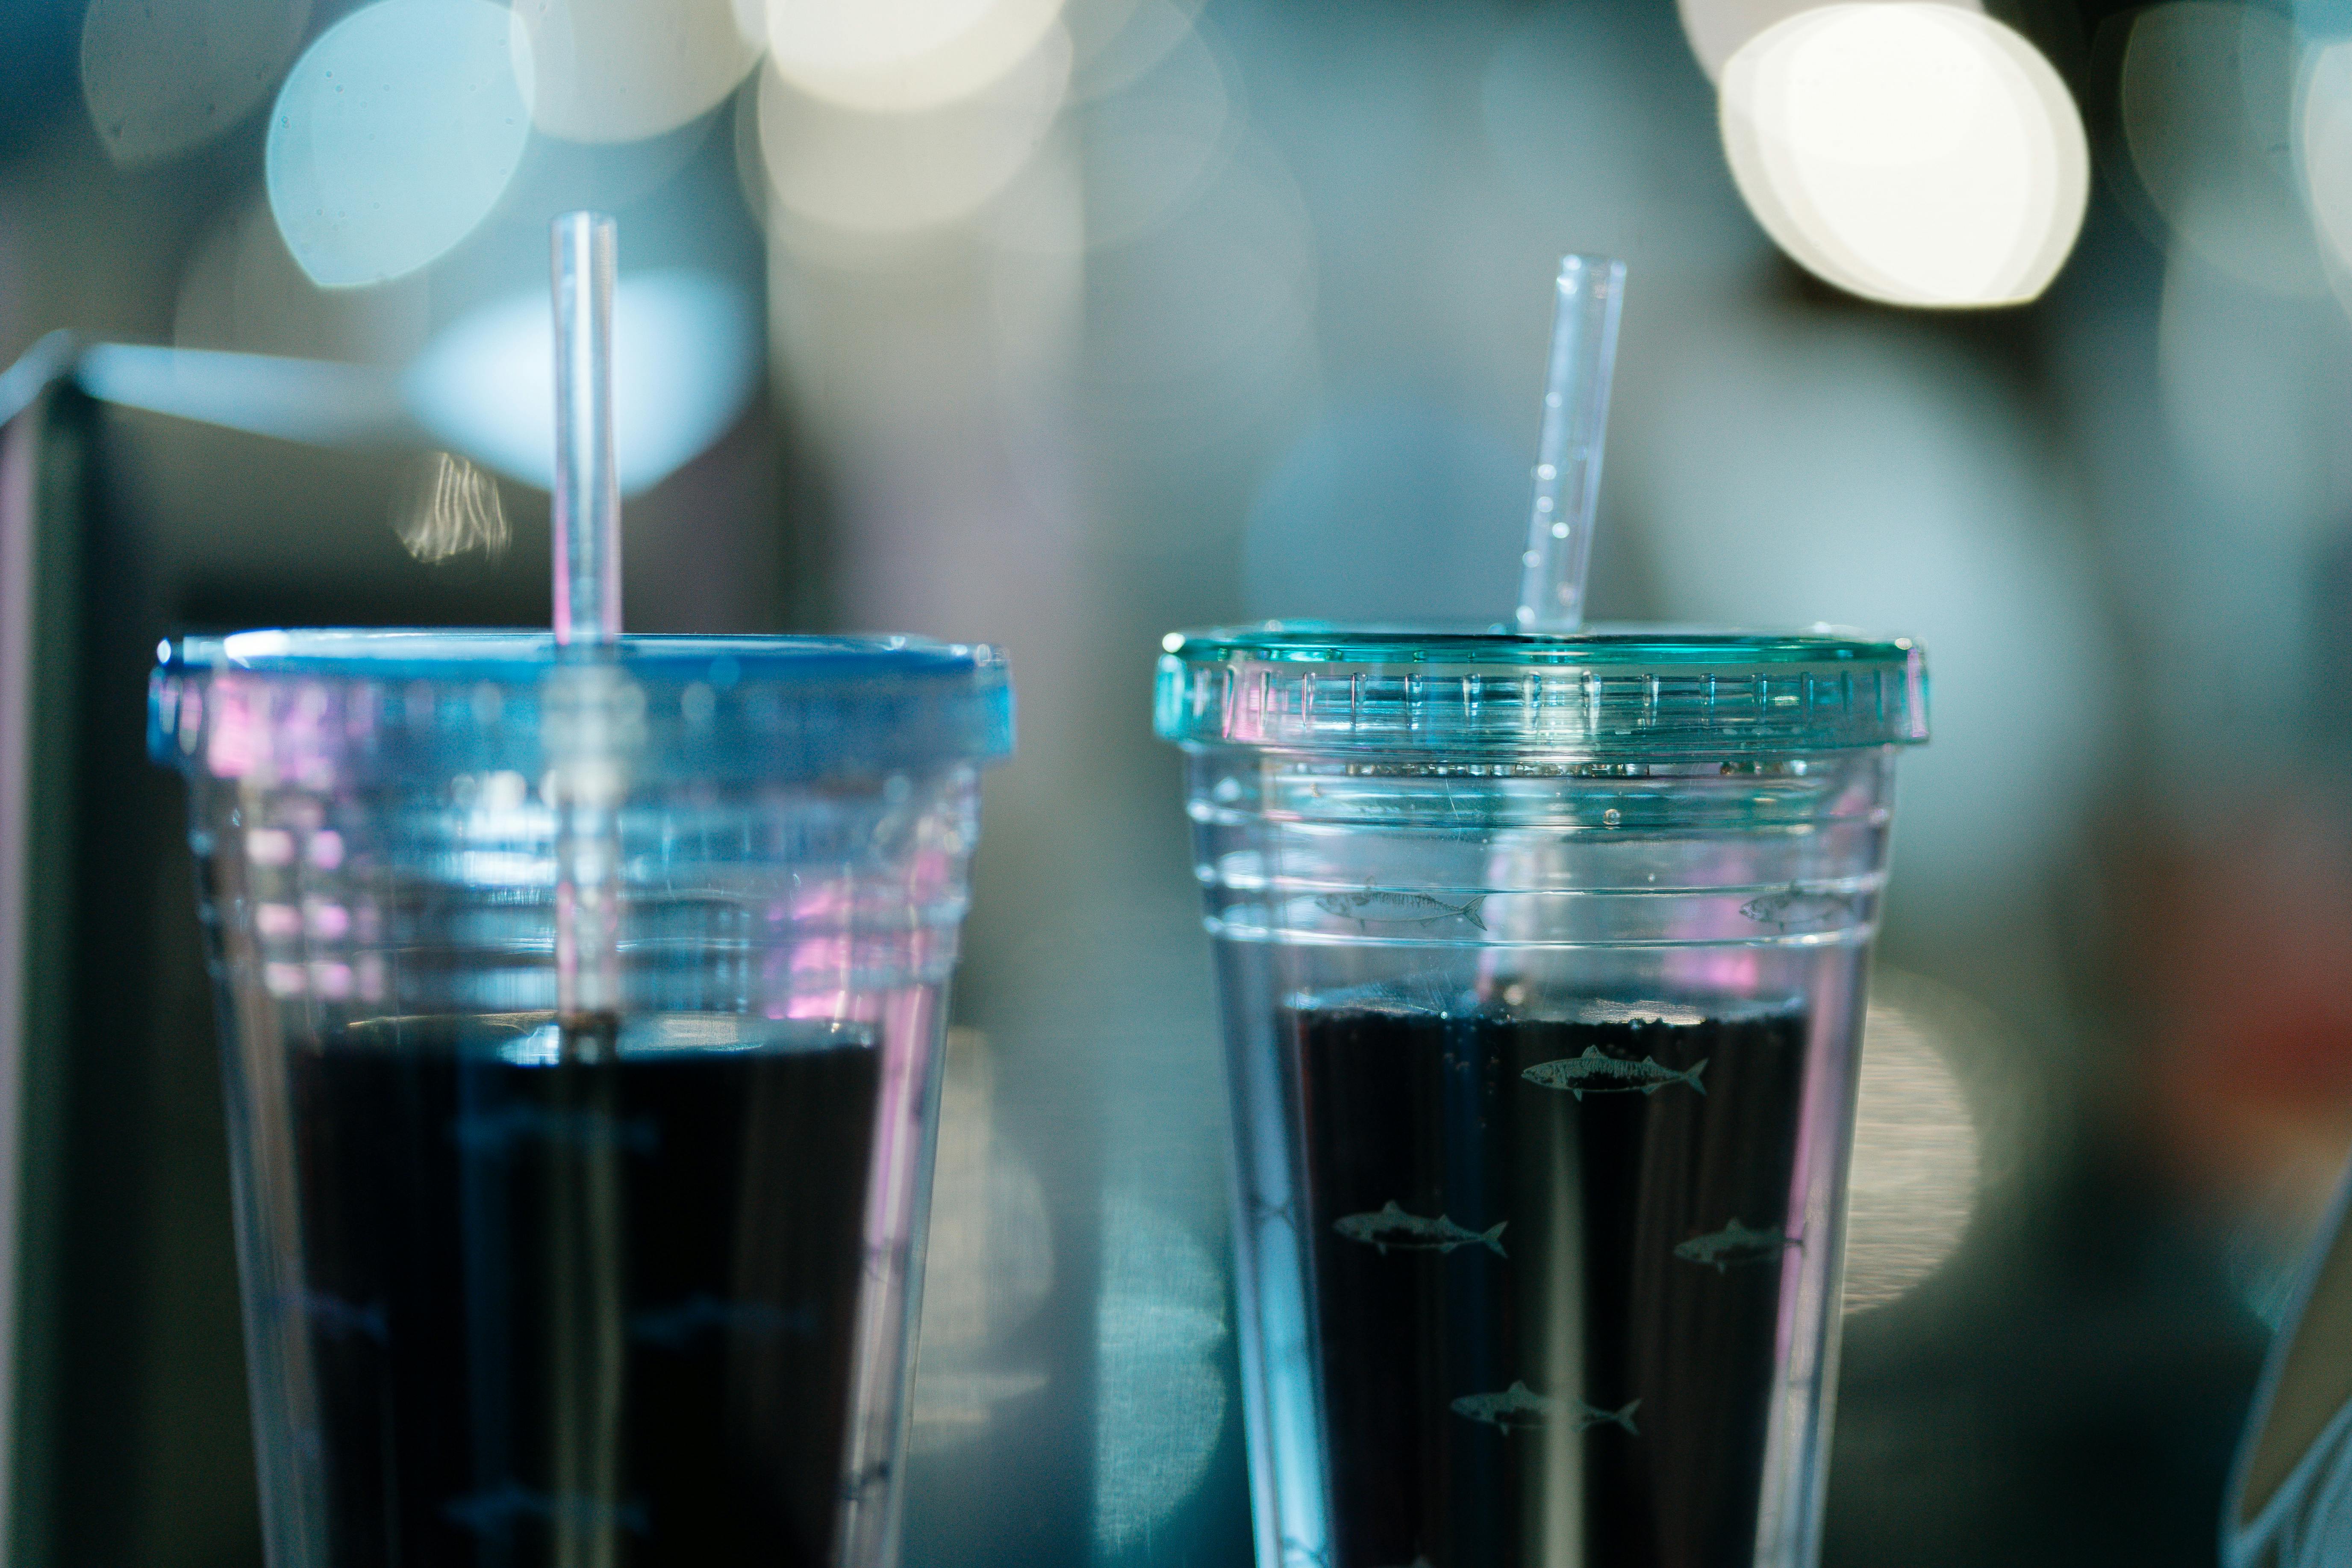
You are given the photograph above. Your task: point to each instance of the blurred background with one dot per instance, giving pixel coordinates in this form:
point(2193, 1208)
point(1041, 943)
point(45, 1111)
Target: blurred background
point(1059, 323)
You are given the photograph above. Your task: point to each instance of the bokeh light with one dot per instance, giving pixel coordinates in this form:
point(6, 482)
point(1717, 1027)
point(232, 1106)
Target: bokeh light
point(1372, 488)
point(2326, 129)
point(160, 77)
point(614, 70)
point(395, 136)
point(2205, 97)
point(1916, 1156)
point(1203, 330)
point(989, 1264)
point(1908, 152)
point(1153, 141)
point(2256, 383)
point(1717, 27)
point(901, 55)
point(242, 289)
point(1608, 135)
point(685, 362)
point(873, 171)
point(313, 401)
point(1865, 471)
point(1115, 41)
point(1160, 1390)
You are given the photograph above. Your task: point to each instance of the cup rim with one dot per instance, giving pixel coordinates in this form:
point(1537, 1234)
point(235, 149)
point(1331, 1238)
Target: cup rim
point(508, 655)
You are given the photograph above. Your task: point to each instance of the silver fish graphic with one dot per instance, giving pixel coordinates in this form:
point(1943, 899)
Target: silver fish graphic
point(1375, 907)
point(1391, 1226)
point(1520, 1408)
point(1733, 1245)
point(497, 1511)
point(1594, 1073)
point(675, 1328)
point(1796, 907)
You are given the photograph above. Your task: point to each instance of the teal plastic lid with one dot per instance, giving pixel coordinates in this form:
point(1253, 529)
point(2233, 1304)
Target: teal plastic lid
point(392, 705)
point(1616, 692)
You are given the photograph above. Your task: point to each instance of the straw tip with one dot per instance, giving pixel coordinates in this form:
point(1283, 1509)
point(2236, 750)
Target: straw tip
point(586, 220)
point(1576, 265)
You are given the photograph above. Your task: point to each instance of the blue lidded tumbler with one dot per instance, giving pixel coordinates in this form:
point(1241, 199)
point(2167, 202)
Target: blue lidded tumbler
point(526, 1287)
point(1541, 962)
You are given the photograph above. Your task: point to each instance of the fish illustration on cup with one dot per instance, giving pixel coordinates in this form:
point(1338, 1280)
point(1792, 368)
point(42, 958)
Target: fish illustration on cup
point(1520, 1408)
point(1594, 1073)
point(1797, 906)
point(1391, 1226)
point(1734, 1245)
point(1376, 906)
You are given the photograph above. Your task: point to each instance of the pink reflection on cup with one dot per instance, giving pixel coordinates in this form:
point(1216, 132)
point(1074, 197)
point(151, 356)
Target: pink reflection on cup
point(229, 751)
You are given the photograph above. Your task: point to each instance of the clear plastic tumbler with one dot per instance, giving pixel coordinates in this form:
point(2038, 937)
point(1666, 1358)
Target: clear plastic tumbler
point(523, 1290)
point(1542, 960)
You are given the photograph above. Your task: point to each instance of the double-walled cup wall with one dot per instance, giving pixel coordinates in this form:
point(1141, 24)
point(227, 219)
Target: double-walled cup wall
point(1542, 964)
point(690, 1263)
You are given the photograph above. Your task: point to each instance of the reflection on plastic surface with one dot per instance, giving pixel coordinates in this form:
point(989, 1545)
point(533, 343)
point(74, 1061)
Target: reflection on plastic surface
point(1160, 1381)
point(396, 135)
point(448, 508)
point(161, 76)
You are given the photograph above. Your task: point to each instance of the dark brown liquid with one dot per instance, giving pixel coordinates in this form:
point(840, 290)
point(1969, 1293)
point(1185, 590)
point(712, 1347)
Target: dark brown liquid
point(566, 1303)
point(1587, 1308)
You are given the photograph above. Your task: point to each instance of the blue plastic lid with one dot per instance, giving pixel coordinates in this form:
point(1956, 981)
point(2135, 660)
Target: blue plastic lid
point(1612, 692)
point(336, 704)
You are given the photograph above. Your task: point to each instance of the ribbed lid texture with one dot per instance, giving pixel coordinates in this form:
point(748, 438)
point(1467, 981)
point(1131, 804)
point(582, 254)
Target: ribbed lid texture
point(1608, 692)
point(392, 705)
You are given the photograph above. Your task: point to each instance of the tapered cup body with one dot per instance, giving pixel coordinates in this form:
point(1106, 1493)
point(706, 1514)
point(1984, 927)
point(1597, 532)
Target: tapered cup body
point(526, 1283)
point(1541, 963)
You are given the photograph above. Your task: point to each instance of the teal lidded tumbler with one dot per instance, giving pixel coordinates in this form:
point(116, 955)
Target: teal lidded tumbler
point(1541, 961)
point(528, 1287)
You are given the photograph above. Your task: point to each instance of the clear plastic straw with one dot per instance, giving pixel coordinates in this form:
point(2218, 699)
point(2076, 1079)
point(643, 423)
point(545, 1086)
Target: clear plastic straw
point(1568, 456)
point(591, 725)
point(589, 720)
point(587, 490)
